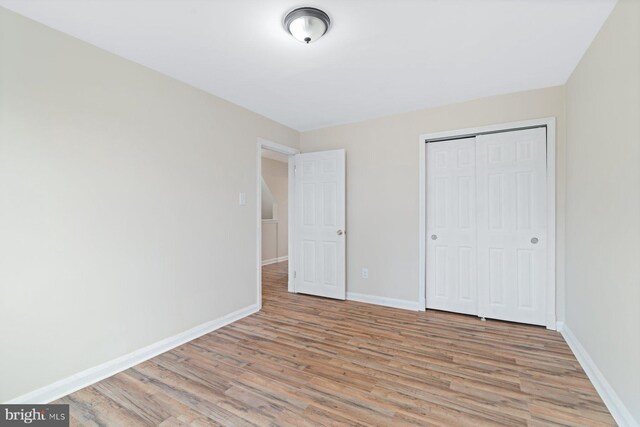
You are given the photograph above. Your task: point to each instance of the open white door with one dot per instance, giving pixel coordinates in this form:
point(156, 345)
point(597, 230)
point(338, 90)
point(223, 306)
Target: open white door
point(319, 264)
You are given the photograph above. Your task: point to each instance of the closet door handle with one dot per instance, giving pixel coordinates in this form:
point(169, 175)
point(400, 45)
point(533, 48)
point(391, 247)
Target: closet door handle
point(434, 237)
point(534, 240)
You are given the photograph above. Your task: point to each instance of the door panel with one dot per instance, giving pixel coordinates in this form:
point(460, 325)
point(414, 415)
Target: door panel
point(451, 220)
point(511, 186)
point(320, 240)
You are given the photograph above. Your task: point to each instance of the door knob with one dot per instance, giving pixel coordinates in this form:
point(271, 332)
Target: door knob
point(534, 240)
point(340, 232)
point(434, 237)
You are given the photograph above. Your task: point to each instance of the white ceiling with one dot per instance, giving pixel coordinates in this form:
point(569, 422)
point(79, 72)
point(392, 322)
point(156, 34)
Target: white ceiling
point(379, 58)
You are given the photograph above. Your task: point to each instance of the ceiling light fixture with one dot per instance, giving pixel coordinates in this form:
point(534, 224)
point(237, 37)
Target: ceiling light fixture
point(307, 24)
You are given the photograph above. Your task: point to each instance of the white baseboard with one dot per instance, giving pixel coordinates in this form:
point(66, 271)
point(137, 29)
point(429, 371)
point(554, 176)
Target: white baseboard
point(90, 376)
point(387, 302)
point(617, 408)
point(274, 260)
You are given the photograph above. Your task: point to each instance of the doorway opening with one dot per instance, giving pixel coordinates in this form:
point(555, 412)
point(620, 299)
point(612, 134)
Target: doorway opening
point(314, 235)
point(275, 197)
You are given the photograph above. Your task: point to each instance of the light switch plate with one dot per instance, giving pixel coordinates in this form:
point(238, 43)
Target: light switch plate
point(242, 199)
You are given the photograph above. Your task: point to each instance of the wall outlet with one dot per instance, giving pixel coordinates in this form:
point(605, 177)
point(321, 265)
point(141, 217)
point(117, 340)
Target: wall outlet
point(365, 273)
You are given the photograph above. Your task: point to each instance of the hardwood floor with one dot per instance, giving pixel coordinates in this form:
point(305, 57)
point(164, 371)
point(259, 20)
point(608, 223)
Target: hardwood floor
point(305, 360)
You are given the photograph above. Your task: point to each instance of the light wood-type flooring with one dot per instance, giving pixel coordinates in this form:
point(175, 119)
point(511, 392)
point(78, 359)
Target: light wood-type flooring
point(305, 361)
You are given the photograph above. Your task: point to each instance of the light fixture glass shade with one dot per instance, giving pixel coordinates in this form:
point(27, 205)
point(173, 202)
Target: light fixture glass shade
point(307, 29)
point(307, 24)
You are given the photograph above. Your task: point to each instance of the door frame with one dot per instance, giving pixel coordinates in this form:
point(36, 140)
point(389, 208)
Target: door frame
point(550, 124)
point(289, 152)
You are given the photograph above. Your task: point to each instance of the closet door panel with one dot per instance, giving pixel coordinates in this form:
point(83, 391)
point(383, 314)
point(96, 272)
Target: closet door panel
point(451, 226)
point(512, 230)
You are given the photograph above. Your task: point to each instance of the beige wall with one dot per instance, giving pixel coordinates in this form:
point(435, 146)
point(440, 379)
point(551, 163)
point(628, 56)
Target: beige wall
point(276, 174)
point(382, 183)
point(603, 202)
point(119, 217)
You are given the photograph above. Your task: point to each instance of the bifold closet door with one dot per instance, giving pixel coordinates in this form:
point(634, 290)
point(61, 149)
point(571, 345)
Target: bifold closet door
point(512, 225)
point(451, 226)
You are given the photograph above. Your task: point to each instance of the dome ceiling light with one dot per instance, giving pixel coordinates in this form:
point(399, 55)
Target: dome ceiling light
point(307, 24)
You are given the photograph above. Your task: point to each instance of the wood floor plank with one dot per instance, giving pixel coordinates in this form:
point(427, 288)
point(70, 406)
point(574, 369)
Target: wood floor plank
point(307, 361)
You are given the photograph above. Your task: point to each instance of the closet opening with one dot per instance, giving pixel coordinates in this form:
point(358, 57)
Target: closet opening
point(487, 222)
